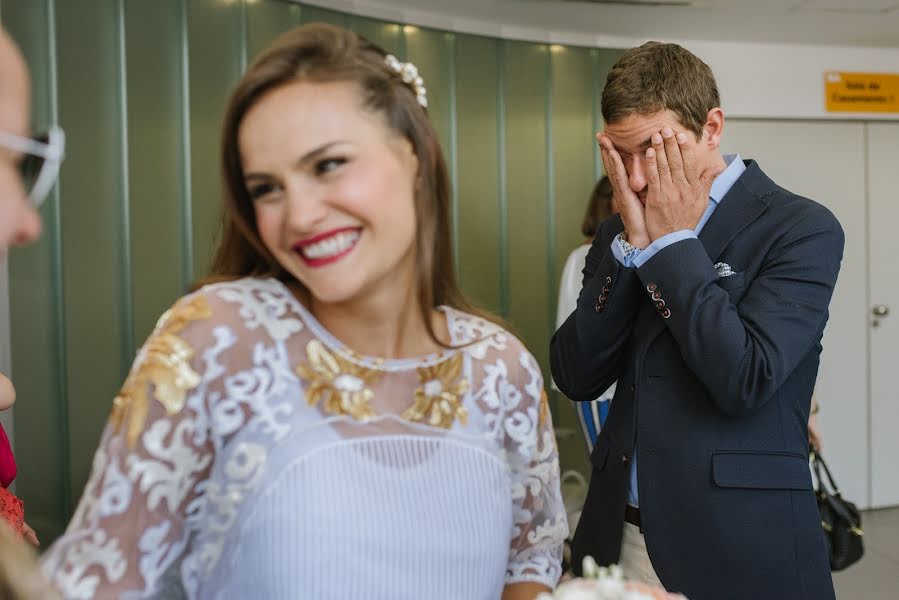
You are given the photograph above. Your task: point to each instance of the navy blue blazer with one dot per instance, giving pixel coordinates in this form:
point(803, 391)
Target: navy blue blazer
point(715, 378)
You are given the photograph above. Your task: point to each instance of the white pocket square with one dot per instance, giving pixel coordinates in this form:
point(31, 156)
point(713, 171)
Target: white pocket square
point(724, 270)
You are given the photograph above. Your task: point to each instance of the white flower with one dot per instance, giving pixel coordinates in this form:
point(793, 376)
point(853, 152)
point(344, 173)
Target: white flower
point(583, 589)
point(590, 568)
point(600, 583)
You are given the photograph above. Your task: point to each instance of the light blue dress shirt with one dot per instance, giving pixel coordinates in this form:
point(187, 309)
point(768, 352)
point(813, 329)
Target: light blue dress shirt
point(722, 184)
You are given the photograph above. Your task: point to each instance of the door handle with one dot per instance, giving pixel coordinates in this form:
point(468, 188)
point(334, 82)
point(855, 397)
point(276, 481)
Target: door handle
point(881, 310)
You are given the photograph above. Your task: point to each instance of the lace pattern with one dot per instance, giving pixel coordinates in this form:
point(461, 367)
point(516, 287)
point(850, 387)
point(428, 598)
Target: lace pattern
point(188, 476)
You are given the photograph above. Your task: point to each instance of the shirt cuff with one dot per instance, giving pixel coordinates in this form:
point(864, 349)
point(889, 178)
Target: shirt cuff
point(663, 242)
point(625, 257)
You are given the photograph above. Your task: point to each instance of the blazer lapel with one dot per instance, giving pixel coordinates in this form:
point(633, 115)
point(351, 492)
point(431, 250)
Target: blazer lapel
point(742, 205)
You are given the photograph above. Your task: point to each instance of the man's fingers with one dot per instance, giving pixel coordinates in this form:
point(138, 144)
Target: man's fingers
point(661, 160)
point(628, 203)
point(613, 165)
point(688, 156)
point(652, 173)
point(609, 165)
point(673, 155)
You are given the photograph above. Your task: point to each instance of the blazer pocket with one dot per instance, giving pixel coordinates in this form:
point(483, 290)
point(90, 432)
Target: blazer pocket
point(732, 282)
point(761, 470)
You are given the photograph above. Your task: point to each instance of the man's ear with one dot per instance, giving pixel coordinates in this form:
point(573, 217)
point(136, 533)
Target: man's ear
point(713, 128)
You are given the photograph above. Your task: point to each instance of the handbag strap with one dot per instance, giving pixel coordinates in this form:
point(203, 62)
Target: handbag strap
point(818, 462)
point(834, 499)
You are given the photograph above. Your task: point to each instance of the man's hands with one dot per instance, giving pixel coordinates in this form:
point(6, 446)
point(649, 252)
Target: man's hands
point(629, 205)
point(677, 194)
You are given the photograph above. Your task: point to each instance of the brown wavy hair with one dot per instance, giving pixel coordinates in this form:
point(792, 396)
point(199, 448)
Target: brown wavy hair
point(657, 76)
point(599, 207)
point(322, 53)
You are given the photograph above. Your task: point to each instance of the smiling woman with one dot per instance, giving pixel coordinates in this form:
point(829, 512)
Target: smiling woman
point(327, 417)
point(341, 218)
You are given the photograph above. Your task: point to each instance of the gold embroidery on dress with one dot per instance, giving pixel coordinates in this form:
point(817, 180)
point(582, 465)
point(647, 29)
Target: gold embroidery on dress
point(544, 407)
point(166, 365)
point(439, 399)
point(342, 386)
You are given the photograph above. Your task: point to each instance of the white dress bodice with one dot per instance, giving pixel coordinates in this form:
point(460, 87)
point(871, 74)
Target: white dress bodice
point(251, 455)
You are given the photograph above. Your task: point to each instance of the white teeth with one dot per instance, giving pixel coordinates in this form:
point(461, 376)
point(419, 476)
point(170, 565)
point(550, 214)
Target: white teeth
point(331, 246)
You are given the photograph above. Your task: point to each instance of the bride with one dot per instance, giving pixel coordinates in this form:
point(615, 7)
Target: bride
point(327, 417)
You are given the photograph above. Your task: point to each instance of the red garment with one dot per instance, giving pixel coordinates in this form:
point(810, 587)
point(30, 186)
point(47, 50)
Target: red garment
point(7, 460)
point(13, 510)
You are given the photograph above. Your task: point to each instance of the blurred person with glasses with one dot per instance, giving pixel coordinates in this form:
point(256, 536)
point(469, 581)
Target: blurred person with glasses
point(28, 170)
point(28, 165)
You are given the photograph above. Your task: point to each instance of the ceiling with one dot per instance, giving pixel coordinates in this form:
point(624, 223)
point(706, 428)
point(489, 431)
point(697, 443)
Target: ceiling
point(872, 23)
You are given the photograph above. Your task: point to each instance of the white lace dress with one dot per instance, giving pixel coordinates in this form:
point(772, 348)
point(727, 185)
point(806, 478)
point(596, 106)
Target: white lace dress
point(251, 455)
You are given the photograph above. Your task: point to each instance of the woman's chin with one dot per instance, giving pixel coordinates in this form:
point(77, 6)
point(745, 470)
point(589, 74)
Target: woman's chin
point(333, 294)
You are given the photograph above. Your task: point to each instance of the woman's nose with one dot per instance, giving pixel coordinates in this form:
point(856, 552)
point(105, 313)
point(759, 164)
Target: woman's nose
point(29, 227)
point(306, 206)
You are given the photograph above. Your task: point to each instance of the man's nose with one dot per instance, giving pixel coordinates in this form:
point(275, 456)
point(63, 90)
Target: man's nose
point(636, 175)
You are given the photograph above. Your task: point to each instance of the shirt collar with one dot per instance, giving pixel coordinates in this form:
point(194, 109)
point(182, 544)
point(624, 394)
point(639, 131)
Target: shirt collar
point(726, 179)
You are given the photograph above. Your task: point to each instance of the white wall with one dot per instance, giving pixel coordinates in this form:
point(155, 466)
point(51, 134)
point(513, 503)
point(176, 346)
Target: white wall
point(787, 81)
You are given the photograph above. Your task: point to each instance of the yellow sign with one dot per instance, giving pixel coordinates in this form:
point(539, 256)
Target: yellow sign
point(861, 92)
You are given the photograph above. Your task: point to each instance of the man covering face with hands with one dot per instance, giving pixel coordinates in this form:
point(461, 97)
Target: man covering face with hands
point(706, 299)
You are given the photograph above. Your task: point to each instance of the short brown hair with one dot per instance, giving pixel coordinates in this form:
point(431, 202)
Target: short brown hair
point(599, 207)
point(657, 76)
point(324, 53)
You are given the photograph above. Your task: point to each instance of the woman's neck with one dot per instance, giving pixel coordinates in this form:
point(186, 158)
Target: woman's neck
point(386, 324)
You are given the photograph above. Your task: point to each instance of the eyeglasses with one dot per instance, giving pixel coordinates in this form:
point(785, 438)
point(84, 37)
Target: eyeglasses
point(40, 165)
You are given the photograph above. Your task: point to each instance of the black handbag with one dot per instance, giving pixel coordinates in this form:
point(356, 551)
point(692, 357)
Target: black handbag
point(840, 519)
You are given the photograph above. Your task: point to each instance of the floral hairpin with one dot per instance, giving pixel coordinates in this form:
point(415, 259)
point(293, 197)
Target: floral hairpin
point(409, 73)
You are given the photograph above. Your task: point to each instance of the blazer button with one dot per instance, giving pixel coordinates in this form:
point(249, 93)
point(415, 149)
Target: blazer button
point(599, 307)
point(608, 280)
point(660, 304)
point(665, 313)
point(657, 295)
point(651, 287)
point(625, 459)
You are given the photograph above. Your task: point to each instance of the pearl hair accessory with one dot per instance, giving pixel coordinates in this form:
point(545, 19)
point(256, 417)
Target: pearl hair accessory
point(409, 73)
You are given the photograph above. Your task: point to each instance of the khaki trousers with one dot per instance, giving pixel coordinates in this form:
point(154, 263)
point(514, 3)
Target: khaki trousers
point(634, 559)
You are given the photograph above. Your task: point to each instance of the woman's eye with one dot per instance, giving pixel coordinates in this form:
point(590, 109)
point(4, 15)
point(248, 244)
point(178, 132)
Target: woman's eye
point(327, 165)
point(258, 191)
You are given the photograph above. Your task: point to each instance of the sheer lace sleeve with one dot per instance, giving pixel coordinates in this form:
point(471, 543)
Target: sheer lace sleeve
point(540, 524)
point(130, 525)
point(509, 390)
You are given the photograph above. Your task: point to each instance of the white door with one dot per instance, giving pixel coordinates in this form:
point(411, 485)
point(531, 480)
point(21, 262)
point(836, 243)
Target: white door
point(825, 161)
point(883, 241)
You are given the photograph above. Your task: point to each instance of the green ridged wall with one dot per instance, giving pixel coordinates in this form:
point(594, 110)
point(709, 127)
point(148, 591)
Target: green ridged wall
point(140, 88)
